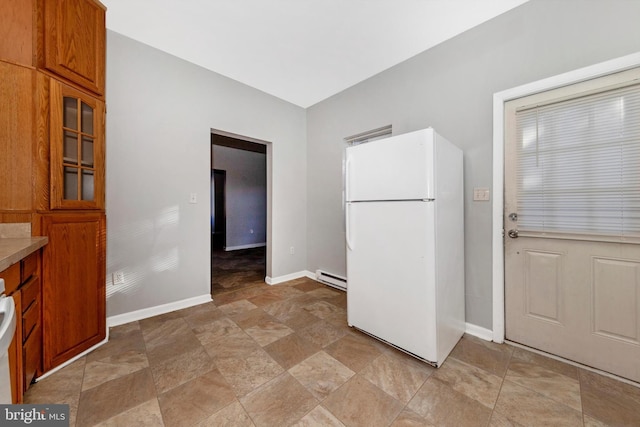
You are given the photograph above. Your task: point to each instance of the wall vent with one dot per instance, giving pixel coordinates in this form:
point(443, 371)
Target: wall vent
point(331, 279)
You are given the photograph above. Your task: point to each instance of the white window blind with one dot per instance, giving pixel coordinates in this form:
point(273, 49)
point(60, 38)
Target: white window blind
point(578, 165)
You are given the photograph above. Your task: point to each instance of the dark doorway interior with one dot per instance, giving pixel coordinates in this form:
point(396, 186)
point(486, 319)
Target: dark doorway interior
point(233, 268)
point(219, 225)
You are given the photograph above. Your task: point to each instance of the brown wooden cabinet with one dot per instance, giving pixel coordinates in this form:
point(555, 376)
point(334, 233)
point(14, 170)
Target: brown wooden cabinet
point(52, 167)
point(72, 35)
point(73, 284)
point(22, 281)
point(77, 149)
point(66, 38)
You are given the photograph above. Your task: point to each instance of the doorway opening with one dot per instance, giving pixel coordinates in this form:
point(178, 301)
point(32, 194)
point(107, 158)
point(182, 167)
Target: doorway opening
point(239, 214)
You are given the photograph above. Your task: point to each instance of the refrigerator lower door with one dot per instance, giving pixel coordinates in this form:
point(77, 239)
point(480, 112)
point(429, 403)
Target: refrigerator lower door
point(390, 268)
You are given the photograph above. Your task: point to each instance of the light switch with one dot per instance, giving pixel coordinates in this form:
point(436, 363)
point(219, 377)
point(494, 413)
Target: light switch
point(193, 198)
point(481, 194)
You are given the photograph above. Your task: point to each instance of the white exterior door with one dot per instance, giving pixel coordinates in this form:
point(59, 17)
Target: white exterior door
point(572, 234)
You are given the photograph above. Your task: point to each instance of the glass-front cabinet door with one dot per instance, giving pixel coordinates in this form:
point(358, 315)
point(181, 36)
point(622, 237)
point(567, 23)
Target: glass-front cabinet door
point(77, 149)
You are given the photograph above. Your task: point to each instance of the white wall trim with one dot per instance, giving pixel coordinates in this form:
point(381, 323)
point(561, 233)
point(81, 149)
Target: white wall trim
point(287, 277)
point(247, 246)
point(478, 331)
point(499, 99)
point(132, 316)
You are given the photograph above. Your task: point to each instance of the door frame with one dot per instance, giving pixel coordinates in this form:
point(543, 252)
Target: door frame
point(499, 99)
point(269, 207)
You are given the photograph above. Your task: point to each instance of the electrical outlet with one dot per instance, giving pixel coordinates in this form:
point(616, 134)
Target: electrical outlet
point(118, 278)
point(292, 250)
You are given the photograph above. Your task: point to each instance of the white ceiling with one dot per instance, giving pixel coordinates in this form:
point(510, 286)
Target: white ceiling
point(302, 51)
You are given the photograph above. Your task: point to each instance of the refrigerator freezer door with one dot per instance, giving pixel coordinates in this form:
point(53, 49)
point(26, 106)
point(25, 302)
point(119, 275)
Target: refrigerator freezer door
point(396, 168)
point(391, 274)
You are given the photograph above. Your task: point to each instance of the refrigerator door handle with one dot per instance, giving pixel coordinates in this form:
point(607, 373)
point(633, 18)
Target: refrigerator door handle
point(348, 227)
point(347, 178)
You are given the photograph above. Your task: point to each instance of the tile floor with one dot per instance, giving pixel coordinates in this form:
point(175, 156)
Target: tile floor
point(284, 355)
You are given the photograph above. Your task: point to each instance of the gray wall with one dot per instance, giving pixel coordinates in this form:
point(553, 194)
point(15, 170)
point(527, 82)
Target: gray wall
point(450, 88)
point(160, 112)
point(245, 193)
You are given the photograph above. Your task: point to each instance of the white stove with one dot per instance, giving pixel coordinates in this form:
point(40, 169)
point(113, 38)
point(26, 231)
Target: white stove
point(7, 329)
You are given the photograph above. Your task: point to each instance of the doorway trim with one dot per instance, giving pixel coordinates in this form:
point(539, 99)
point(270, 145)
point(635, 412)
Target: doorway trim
point(499, 99)
point(269, 146)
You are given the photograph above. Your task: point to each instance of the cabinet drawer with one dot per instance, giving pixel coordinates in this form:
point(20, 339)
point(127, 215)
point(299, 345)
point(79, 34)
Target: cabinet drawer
point(30, 320)
point(32, 355)
point(30, 293)
point(29, 266)
point(11, 278)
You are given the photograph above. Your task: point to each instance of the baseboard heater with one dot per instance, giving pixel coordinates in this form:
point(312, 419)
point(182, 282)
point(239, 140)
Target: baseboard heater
point(331, 279)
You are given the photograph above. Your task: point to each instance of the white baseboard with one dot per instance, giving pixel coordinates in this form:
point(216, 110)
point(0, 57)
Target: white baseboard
point(287, 277)
point(121, 319)
point(479, 332)
point(248, 246)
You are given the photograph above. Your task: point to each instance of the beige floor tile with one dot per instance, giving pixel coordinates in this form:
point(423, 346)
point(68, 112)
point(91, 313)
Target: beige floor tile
point(237, 344)
point(285, 292)
point(522, 405)
point(360, 403)
point(319, 417)
point(354, 351)
point(266, 298)
point(285, 307)
point(323, 333)
point(299, 319)
point(195, 400)
point(442, 406)
point(205, 359)
point(612, 402)
point(557, 366)
point(246, 373)
point(408, 418)
point(149, 324)
point(237, 307)
point(321, 309)
point(485, 355)
point(473, 382)
point(146, 414)
point(209, 333)
point(280, 402)
point(113, 397)
point(232, 415)
point(249, 292)
point(251, 318)
point(268, 332)
point(308, 286)
point(398, 374)
point(202, 314)
point(291, 350)
point(122, 339)
point(562, 389)
point(63, 387)
point(499, 420)
point(100, 371)
point(181, 369)
point(321, 374)
point(324, 292)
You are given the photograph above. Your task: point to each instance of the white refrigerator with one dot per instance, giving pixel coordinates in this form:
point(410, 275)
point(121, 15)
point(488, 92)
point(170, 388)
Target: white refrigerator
point(405, 242)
